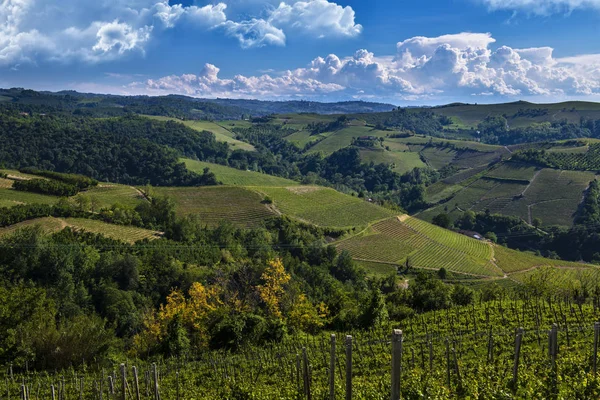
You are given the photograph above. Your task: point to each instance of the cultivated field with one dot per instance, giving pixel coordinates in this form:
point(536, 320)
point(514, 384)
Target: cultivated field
point(343, 138)
point(108, 194)
point(324, 207)
point(426, 246)
point(128, 234)
point(400, 161)
point(240, 206)
point(236, 177)
point(10, 197)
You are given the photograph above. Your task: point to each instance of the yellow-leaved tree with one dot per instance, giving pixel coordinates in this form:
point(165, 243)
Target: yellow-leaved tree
point(193, 313)
point(275, 278)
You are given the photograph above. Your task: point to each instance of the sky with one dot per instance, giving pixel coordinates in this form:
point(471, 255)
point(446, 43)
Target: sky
point(401, 52)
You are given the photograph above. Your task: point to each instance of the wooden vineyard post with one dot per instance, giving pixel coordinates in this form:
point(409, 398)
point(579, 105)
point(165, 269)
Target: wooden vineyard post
point(306, 374)
point(136, 383)
point(155, 373)
point(123, 383)
point(348, 367)
point(553, 344)
point(396, 363)
point(52, 392)
point(332, 369)
point(448, 363)
point(298, 374)
point(596, 337)
point(23, 392)
point(518, 341)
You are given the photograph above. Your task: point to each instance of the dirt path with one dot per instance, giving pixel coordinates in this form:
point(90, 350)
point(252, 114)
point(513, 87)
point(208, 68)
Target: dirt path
point(141, 194)
point(509, 150)
point(531, 182)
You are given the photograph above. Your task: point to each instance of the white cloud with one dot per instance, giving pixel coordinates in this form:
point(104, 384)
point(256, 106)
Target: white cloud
point(449, 66)
point(542, 7)
point(317, 17)
point(255, 33)
point(208, 83)
point(96, 31)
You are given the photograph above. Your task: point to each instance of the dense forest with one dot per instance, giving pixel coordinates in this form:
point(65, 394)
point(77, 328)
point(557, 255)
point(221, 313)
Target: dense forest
point(130, 150)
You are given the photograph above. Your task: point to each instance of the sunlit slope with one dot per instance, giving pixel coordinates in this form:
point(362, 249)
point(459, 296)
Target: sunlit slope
point(324, 207)
point(236, 177)
point(426, 246)
point(128, 234)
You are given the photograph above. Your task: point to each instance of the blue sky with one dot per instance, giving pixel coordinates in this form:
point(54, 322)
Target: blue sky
point(403, 52)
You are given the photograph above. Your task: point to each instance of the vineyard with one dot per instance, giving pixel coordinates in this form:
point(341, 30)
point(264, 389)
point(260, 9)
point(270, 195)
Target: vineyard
point(576, 160)
point(512, 261)
point(128, 234)
point(237, 205)
point(236, 177)
point(510, 349)
point(427, 246)
point(108, 194)
point(325, 207)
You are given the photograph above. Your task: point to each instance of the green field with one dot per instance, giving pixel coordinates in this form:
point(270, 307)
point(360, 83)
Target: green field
point(221, 133)
point(128, 234)
point(512, 261)
point(236, 177)
point(214, 204)
point(108, 194)
point(401, 162)
point(337, 140)
point(324, 207)
point(10, 197)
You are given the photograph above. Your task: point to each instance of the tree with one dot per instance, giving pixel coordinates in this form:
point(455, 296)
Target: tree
point(442, 273)
point(462, 295)
point(271, 291)
point(491, 236)
point(442, 220)
point(428, 293)
point(537, 222)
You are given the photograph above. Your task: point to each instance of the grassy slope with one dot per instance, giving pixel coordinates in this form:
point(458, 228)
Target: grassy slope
point(343, 138)
point(324, 206)
point(401, 161)
point(221, 133)
point(236, 177)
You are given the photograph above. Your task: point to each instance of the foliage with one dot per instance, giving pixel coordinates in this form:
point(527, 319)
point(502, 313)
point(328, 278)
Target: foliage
point(46, 186)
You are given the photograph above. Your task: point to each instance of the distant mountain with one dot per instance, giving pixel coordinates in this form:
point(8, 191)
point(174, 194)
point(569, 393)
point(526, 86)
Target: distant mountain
point(183, 107)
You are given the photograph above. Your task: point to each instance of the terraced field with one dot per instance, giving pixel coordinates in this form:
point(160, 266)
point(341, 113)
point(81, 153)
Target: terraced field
point(128, 234)
point(14, 174)
point(324, 206)
point(427, 246)
point(517, 190)
point(236, 177)
point(240, 206)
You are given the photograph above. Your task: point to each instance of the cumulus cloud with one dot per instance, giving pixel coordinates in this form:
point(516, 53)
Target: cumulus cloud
point(208, 83)
point(451, 66)
point(33, 30)
point(318, 17)
point(95, 31)
point(542, 7)
point(255, 33)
